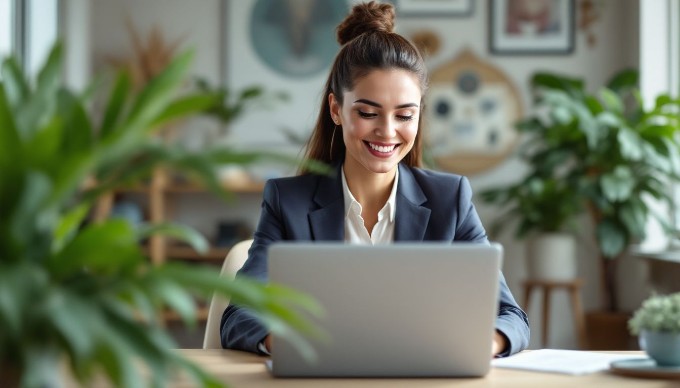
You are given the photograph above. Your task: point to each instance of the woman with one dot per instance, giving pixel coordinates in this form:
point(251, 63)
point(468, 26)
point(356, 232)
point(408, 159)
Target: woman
point(369, 129)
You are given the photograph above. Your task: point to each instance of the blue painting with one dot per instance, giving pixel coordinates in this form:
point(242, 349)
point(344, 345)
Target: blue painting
point(296, 38)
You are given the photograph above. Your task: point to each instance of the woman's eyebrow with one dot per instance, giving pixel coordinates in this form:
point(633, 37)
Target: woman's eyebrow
point(375, 104)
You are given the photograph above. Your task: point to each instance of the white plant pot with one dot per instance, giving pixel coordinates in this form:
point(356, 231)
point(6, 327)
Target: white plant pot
point(552, 256)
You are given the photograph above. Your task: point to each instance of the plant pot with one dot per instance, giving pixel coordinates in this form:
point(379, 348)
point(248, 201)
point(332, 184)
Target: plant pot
point(664, 348)
point(10, 374)
point(552, 256)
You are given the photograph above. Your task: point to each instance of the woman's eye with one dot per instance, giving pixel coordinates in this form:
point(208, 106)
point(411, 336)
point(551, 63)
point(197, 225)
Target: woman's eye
point(367, 115)
point(405, 118)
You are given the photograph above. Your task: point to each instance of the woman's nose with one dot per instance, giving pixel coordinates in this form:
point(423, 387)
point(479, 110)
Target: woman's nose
point(386, 128)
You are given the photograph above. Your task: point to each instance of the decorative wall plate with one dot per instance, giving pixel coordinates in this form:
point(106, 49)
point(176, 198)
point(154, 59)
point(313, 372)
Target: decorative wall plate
point(471, 108)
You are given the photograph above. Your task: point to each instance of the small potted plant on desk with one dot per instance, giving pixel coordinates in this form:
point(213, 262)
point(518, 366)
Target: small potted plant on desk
point(657, 322)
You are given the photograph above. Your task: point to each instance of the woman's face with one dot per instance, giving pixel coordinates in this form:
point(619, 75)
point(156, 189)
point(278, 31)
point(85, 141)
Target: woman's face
point(379, 119)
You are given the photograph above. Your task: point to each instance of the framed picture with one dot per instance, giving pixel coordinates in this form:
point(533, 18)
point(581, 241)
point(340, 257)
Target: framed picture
point(531, 27)
point(281, 46)
point(445, 8)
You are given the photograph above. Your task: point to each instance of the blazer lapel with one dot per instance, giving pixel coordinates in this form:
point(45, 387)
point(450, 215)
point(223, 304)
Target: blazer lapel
point(328, 221)
point(411, 218)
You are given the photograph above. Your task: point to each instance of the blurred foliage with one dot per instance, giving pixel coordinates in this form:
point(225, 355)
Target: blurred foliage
point(83, 292)
point(603, 154)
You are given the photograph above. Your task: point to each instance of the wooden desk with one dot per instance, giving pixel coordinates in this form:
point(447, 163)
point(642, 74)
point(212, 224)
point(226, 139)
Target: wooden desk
point(240, 369)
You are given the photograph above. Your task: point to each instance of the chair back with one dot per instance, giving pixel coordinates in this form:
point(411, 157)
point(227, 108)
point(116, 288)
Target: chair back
point(235, 259)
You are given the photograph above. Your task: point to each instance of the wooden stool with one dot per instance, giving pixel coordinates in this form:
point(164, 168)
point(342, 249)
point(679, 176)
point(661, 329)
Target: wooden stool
point(573, 287)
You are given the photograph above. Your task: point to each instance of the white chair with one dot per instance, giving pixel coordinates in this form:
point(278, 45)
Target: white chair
point(232, 263)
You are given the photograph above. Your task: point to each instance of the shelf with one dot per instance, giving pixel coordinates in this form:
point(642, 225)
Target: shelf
point(201, 315)
point(188, 253)
point(239, 188)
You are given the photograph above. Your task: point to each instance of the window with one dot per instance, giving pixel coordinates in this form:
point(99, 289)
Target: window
point(28, 29)
point(6, 27)
point(41, 31)
point(660, 73)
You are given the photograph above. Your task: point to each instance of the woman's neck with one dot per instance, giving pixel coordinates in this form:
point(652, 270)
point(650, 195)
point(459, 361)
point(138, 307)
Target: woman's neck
point(370, 189)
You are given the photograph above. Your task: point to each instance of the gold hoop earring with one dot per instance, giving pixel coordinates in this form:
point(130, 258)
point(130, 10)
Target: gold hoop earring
point(332, 140)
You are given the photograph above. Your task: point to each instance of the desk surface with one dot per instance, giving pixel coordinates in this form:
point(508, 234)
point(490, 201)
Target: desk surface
point(240, 369)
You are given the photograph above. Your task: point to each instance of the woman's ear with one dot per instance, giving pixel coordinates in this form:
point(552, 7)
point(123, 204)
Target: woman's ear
point(334, 109)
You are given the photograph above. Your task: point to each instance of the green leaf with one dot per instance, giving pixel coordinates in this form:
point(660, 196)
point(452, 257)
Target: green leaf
point(623, 81)
point(634, 217)
point(41, 105)
point(14, 82)
point(68, 226)
point(609, 119)
point(116, 104)
point(612, 239)
point(155, 96)
point(630, 144)
point(78, 131)
point(42, 366)
point(31, 221)
point(45, 145)
point(177, 299)
point(117, 360)
point(177, 231)
point(101, 248)
point(9, 137)
point(571, 86)
point(612, 101)
point(76, 320)
point(184, 107)
point(618, 185)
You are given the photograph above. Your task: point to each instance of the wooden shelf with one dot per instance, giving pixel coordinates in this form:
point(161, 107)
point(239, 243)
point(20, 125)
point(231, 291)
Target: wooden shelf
point(171, 316)
point(188, 253)
point(240, 188)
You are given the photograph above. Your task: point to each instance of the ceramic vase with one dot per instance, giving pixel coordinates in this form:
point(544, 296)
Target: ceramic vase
point(664, 348)
point(552, 256)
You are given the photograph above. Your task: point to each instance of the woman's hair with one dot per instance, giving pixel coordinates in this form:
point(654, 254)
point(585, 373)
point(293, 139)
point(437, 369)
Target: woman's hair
point(368, 43)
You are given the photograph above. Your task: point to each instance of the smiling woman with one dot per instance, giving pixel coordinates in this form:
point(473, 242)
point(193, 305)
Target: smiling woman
point(368, 128)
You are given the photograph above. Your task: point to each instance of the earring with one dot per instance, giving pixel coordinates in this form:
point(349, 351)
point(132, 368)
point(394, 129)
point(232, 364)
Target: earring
point(332, 140)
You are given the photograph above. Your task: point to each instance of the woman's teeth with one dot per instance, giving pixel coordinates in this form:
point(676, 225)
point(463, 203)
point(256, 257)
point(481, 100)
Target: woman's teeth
point(384, 149)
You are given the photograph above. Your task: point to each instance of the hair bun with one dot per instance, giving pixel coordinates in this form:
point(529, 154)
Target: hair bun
point(366, 17)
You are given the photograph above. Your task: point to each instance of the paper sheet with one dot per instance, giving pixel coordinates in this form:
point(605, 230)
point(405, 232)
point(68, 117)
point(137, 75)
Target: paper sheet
point(573, 362)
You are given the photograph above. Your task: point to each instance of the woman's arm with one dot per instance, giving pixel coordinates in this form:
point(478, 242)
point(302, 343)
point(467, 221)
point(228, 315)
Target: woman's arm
point(239, 328)
point(512, 323)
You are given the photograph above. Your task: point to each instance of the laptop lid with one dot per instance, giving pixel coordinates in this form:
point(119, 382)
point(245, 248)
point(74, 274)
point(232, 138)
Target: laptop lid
point(407, 309)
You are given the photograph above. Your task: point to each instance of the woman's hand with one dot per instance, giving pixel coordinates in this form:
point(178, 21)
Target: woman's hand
point(499, 344)
point(268, 343)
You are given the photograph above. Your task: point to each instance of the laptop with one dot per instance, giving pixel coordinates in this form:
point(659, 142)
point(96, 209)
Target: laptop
point(400, 310)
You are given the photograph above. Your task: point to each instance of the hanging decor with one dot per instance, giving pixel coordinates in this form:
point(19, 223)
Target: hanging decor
point(471, 108)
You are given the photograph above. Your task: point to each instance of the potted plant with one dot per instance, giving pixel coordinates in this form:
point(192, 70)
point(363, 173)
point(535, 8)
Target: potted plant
point(612, 150)
point(82, 293)
point(657, 322)
point(543, 210)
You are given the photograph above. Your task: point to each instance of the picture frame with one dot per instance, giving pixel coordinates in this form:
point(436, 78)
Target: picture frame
point(258, 51)
point(545, 27)
point(443, 8)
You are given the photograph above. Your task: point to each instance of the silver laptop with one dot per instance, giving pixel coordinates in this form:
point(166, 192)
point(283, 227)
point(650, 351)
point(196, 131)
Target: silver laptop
point(407, 309)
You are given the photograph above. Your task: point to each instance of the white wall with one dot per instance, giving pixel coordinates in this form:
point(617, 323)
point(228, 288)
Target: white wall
point(198, 23)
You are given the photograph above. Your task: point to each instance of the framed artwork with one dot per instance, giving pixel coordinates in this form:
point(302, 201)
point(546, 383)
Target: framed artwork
point(472, 107)
point(280, 46)
point(531, 27)
point(445, 8)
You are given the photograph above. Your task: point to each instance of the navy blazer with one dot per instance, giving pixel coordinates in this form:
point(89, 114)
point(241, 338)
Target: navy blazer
point(431, 206)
